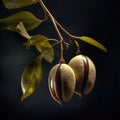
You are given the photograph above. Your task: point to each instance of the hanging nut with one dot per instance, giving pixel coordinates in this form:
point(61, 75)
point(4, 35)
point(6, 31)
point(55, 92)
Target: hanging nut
point(85, 73)
point(61, 82)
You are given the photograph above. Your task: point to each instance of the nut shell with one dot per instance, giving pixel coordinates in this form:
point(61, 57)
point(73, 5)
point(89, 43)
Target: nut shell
point(61, 82)
point(85, 73)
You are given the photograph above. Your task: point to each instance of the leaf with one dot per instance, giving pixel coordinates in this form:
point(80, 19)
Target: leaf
point(92, 42)
point(43, 46)
point(13, 4)
point(46, 48)
point(27, 18)
point(22, 30)
point(35, 39)
point(31, 77)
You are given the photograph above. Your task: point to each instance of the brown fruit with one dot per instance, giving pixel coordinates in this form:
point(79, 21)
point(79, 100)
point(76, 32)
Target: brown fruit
point(85, 73)
point(61, 82)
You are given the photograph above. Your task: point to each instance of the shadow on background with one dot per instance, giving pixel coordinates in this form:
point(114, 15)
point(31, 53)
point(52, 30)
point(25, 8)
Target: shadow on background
point(80, 17)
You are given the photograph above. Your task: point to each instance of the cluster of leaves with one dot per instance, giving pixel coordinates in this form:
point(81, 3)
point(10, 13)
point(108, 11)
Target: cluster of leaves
point(23, 22)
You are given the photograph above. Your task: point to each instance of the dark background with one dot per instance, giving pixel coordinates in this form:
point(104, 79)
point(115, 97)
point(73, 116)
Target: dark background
point(95, 18)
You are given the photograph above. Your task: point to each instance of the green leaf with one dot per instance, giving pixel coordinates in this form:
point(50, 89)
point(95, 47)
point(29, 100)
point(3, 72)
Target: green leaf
point(35, 39)
point(22, 30)
point(31, 77)
point(43, 46)
point(46, 48)
point(13, 4)
point(92, 42)
point(27, 18)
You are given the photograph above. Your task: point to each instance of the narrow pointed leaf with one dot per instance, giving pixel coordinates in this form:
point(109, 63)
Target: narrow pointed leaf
point(13, 4)
point(27, 18)
point(43, 46)
point(31, 77)
point(92, 42)
point(22, 30)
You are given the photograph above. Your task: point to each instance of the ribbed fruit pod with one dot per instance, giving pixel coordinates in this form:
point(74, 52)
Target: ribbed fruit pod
point(85, 73)
point(61, 82)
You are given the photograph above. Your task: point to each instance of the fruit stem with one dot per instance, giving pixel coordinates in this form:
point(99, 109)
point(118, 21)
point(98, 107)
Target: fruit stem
point(47, 13)
point(63, 29)
point(66, 32)
point(78, 47)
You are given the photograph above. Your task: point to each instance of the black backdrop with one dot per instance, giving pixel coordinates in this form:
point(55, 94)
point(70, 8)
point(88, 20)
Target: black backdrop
point(94, 18)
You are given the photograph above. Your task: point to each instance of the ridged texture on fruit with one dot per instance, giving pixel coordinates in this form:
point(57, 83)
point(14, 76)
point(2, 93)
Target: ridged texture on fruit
point(77, 64)
point(61, 82)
